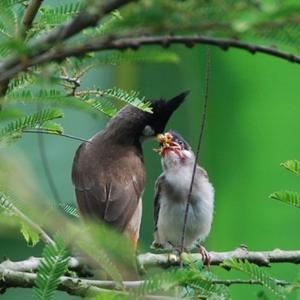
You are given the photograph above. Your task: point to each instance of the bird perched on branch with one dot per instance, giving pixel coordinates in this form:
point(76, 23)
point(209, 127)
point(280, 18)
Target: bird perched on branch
point(108, 171)
point(171, 193)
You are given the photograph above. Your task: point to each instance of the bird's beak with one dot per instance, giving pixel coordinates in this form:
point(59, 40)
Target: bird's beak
point(167, 144)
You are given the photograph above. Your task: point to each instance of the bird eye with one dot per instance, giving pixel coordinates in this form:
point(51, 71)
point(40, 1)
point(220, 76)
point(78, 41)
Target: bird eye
point(148, 131)
point(181, 143)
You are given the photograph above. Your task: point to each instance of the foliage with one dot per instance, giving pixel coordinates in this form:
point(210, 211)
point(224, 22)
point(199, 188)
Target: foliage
point(292, 165)
point(42, 88)
point(29, 234)
point(70, 210)
point(39, 120)
point(289, 197)
point(190, 282)
point(54, 264)
point(256, 273)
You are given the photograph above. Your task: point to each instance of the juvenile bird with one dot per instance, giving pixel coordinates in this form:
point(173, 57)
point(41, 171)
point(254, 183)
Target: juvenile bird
point(108, 171)
point(171, 193)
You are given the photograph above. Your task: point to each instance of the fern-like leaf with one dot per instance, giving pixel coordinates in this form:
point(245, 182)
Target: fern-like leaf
point(14, 129)
point(30, 235)
point(256, 273)
point(292, 165)
point(292, 198)
point(190, 282)
point(20, 82)
point(5, 202)
point(70, 210)
point(164, 281)
point(131, 97)
point(53, 265)
point(53, 17)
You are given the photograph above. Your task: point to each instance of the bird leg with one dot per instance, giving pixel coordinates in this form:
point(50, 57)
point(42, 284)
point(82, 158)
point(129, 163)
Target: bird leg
point(206, 258)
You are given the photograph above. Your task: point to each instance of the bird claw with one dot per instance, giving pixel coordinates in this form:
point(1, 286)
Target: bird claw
point(206, 258)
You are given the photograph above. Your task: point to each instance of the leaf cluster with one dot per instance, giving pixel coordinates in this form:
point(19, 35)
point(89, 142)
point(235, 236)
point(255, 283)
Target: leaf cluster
point(289, 197)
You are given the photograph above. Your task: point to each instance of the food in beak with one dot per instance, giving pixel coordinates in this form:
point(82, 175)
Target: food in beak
point(167, 145)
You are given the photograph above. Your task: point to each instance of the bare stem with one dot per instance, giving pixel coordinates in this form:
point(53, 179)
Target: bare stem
point(56, 134)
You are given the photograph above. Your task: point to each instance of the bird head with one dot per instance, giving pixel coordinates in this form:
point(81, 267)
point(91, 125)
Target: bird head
point(174, 149)
point(134, 125)
point(162, 111)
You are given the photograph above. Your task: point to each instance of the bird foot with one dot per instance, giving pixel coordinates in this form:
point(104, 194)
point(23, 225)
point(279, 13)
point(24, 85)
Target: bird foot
point(206, 258)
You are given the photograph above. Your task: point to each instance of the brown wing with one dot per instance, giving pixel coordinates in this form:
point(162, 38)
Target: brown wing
point(158, 184)
point(107, 188)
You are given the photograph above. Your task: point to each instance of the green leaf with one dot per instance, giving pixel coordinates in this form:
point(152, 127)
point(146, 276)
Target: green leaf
point(257, 273)
point(53, 17)
point(131, 97)
point(30, 235)
point(51, 127)
point(190, 281)
point(292, 165)
point(15, 129)
point(20, 82)
point(53, 265)
point(70, 210)
point(5, 202)
point(292, 198)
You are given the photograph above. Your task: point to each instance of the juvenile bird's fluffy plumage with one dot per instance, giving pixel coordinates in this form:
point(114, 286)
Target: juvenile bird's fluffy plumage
point(172, 188)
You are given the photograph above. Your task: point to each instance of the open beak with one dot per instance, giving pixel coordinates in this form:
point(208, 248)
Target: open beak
point(168, 145)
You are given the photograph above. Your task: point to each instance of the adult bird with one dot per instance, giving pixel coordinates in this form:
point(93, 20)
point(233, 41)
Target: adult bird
point(171, 193)
point(108, 171)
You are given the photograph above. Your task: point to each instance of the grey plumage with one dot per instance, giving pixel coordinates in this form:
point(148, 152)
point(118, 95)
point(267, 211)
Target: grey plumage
point(171, 192)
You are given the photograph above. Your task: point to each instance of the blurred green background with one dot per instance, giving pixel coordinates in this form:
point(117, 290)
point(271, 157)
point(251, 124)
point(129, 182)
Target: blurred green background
point(253, 126)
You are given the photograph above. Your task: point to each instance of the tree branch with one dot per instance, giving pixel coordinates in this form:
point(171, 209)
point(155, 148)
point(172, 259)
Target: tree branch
point(91, 287)
point(7, 70)
point(21, 273)
point(73, 286)
point(30, 13)
point(263, 258)
point(85, 19)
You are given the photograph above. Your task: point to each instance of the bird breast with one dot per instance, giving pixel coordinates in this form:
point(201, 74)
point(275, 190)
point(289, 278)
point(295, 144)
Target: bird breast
point(173, 205)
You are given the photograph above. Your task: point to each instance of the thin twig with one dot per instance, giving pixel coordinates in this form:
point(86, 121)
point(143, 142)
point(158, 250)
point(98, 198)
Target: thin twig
point(8, 70)
point(56, 134)
point(201, 132)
